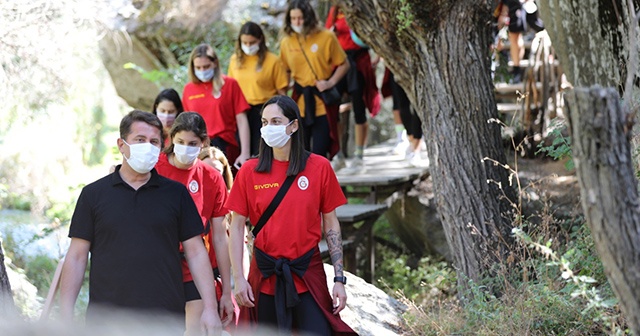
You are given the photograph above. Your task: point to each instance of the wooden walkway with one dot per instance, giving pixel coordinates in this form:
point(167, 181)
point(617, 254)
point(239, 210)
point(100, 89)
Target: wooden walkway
point(384, 174)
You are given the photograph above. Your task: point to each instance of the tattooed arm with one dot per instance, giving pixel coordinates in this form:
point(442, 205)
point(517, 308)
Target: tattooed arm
point(334, 243)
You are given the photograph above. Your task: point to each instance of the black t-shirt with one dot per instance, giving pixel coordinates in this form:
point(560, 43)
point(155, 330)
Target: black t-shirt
point(135, 237)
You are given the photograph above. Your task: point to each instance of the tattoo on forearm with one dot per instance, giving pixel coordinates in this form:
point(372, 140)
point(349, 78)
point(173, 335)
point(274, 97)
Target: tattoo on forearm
point(334, 243)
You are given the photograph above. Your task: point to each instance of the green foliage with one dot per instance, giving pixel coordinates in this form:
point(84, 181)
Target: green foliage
point(40, 269)
point(560, 147)
point(404, 16)
point(420, 283)
point(559, 300)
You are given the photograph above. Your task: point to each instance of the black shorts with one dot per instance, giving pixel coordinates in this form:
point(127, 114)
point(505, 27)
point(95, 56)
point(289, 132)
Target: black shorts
point(191, 292)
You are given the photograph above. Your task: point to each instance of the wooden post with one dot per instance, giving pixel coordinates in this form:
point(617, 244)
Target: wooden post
point(600, 131)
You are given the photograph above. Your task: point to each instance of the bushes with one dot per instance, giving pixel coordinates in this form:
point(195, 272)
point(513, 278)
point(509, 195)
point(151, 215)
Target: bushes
point(550, 303)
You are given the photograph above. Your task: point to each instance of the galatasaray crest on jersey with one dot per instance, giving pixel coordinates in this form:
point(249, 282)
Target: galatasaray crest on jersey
point(193, 186)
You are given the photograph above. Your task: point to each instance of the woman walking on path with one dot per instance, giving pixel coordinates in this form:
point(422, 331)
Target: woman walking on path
point(287, 285)
point(259, 73)
point(311, 53)
point(220, 101)
point(360, 81)
point(179, 162)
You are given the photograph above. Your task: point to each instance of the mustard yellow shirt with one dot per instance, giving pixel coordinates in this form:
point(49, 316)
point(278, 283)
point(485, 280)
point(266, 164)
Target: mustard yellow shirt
point(258, 85)
point(324, 53)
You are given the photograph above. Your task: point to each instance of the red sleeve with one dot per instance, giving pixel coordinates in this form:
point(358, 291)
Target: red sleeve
point(332, 195)
point(237, 200)
point(239, 102)
point(330, 17)
point(185, 104)
point(220, 189)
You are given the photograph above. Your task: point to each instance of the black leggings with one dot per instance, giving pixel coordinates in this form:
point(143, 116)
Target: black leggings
point(357, 98)
point(255, 123)
point(317, 135)
point(401, 102)
point(308, 318)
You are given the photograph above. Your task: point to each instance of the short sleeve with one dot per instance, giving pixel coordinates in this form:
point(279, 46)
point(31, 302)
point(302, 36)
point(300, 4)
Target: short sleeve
point(280, 77)
point(283, 53)
point(332, 195)
point(82, 221)
point(185, 101)
point(220, 197)
point(190, 221)
point(240, 104)
point(336, 54)
point(238, 200)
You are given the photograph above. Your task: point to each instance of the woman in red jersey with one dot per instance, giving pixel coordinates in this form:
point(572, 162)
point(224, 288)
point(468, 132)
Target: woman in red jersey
point(220, 101)
point(287, 286)
point(179, 162)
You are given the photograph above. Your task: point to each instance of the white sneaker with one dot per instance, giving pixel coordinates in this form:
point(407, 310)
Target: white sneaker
point(356, 167)
point(338, 163)
point(402, 147)
point(415, 159)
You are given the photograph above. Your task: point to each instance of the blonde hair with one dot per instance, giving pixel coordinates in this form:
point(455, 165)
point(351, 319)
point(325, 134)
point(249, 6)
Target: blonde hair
point(205, 50)
point(215, 153)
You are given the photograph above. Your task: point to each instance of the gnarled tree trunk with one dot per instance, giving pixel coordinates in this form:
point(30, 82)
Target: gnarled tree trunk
point(6, 297)
point(438, 52)
point(601, 151)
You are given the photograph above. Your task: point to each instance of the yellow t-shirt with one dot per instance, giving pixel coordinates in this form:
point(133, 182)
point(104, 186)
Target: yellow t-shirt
point(324, 53)
point(258, 85)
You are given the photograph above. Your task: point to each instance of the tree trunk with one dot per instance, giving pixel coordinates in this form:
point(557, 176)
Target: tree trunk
point(609, 194)
point(438, 52)
point(6, 297)
point(590, 38)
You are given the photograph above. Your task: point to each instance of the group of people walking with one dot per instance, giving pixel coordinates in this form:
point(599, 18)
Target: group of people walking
point(167, 231)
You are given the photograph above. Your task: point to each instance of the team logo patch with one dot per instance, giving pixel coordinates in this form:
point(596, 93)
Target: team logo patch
point(194, 187)
point(303, 183)
point(314, 47)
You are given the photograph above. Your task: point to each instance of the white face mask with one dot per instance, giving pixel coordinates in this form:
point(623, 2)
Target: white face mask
point(205, 75)
point(166, 119)
point(185, 154)
point(250, 50)
point(142, 157)
point(275, 136)
point(297, 29)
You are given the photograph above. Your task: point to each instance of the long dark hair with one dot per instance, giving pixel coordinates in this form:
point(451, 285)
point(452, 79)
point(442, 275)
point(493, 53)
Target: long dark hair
point(169, 95)
point(298, 155)
point(311, 23)
point(253, 29)
point(190, 122)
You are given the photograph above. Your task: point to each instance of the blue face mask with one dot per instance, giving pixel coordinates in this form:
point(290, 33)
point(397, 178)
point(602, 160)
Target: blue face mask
point(205, 75)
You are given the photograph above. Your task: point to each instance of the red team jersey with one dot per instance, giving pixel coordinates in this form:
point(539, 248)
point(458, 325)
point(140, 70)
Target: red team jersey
point(219, 113)
point(208, 190)
point(295, 226)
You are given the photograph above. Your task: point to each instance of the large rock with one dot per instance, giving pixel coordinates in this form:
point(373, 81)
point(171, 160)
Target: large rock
point(369, 311)
point(414, 218)
point(141, 32)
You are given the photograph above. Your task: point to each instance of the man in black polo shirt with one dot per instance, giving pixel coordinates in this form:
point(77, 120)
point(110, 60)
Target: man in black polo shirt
point(132, 221)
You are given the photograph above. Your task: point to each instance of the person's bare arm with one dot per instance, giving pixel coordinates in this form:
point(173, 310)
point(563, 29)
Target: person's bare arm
point(75, 264)
point(243, 131)
point(341, 70)
point(242, 289)
point(200, 267)
point(333, 235)
point(221, 246)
